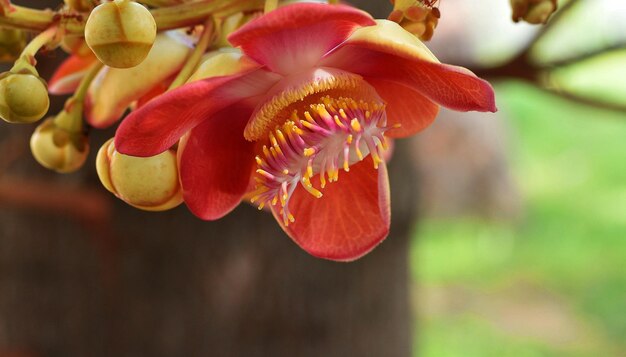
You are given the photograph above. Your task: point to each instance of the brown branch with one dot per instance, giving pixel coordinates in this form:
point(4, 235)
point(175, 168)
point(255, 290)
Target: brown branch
point(523, 68)
point(586, 55)
point(575, 98)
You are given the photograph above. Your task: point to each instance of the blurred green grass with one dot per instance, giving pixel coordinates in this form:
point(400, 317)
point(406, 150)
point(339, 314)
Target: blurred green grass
point(554, 283)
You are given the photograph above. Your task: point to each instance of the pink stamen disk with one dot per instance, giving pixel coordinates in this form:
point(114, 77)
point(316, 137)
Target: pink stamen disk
point(329, 137)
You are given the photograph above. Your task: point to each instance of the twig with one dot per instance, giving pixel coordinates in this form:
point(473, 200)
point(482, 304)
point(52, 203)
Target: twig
point(586, 55)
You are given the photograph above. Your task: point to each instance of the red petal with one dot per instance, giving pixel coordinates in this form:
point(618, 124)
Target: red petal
point(348, 221)
point(216, 162)
point(67, 77)
point(406, 107)
point(453, 87)
point(296, 36)
point(159, 124)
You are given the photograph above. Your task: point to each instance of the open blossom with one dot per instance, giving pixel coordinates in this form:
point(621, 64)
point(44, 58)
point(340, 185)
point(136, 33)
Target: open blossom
point(298, 122)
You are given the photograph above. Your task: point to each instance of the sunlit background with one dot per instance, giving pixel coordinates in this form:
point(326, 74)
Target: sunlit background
point(525, 254)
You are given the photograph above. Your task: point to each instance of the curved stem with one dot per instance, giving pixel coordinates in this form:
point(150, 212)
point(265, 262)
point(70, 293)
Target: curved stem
point(194, 13)
point(192, 62)
point(81, 91)
point(71, 118)
point(25, 18)
point(27, 57)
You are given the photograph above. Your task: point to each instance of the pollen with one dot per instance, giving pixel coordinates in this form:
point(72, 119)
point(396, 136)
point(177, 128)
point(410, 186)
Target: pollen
point(327, 137)
point(271, 114)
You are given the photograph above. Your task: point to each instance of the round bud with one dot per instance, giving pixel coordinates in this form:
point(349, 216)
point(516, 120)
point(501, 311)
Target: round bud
point(57, 148)
point(23, 98)
point(148, 183)
point(120, 33)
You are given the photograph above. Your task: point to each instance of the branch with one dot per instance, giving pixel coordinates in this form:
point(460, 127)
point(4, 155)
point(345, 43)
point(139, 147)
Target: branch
point(167, 18)
point(586, 55)
point(575, 98)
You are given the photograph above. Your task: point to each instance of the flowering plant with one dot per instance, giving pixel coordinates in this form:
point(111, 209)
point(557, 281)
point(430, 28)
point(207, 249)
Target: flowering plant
point(293, 110)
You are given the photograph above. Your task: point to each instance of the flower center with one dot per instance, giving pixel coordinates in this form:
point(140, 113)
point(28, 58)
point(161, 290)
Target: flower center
point(332, 135)
point(289, 95)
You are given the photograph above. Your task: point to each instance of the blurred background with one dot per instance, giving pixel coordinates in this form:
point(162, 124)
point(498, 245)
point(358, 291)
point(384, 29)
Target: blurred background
point(521, 250)
point(512, 242)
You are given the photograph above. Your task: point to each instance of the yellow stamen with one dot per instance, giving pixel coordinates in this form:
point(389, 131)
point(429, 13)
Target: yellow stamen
point(306, 183)
point(308, 117)
point(355, 125)
point(359, 154)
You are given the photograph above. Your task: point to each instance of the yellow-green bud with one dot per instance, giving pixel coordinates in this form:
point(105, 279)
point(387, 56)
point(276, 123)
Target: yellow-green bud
point(120, 33)
point(23, 97)
point(58, 148)
point(148, 183)
point(228, 25)
point(12, 42)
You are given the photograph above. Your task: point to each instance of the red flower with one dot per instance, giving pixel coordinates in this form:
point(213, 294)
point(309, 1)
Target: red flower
point(316, 90)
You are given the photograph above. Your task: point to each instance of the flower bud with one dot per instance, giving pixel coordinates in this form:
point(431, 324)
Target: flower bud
point(58, 148)
point(120, 33)
point(419, 17)
point(23, 97)
point(75, 45)
point(148, 183)
point(228, 25)
point(12, 42)
point(533, 11)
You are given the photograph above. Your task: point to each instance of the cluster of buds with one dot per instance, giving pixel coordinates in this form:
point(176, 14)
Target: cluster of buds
point(120, 59)
point(419, 17)
point(533, 11)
